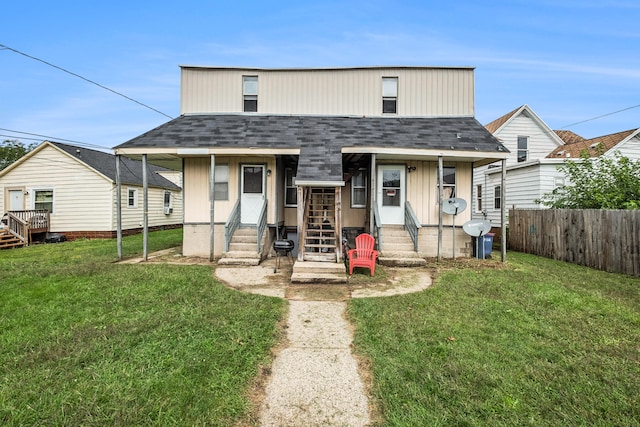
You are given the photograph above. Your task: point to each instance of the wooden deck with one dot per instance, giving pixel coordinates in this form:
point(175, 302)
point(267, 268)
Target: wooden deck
point(20, 228)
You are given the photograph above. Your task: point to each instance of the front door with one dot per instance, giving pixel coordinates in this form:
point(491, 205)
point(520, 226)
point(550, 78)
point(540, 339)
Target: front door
point(16, 200)
point(252, 193)
point(391, 195)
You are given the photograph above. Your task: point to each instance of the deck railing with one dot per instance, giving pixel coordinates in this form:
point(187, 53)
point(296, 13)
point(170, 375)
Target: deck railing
point(411, 224)
point(23, 224)
point(231, 225)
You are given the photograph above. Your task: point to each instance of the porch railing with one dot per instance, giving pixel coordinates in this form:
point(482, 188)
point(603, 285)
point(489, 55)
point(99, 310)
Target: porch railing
point(231, 225)
point(377, 226)
point(411, 224)
point(262, 224)
point(23, 224)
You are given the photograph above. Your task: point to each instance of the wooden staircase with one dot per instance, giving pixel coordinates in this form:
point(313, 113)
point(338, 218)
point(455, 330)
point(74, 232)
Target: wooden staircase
point(320, 229)
point(8, 240)
point(243, 248)
point(397, 248)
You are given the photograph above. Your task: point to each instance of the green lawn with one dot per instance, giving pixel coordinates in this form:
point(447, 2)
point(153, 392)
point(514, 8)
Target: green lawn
point(538, 342)
point(85, 341)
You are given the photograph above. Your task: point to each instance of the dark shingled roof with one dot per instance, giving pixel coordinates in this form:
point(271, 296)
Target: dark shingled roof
point(130, 170)
point(320, 138)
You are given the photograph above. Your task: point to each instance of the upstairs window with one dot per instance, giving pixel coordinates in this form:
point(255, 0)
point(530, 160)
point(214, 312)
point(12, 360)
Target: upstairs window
point(250, 93)
point(389, 95)
point(359, 189)
point(523, 148)
point(478, 198)
point(291, 191)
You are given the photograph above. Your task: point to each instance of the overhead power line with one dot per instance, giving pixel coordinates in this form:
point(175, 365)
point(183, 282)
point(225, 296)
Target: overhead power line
point(49, 138)
point(4, 47)
point(599, 117)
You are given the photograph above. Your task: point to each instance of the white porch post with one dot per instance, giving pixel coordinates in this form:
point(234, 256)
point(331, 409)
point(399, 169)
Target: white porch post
point(145, 208)
point(212, 197)
point(503, 216)
point(440, 198)
point(118, 208)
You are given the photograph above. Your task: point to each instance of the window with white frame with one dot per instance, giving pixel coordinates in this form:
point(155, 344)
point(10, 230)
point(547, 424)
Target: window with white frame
point(250, 93)
point(449, 181)
point(221, 182)
point(132, 198)
point(43, 199)
point(497, 197)
point(389, 95)
point(290, 189)
point(359, 189)
point(523, 148)
point(478, 198)
point(167, 200)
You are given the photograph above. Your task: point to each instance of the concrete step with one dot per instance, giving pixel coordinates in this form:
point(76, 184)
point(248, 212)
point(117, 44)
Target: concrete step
point(318, 267)
point(244, 238)
point(401, 259)
point(239, 261)
point(241, 254)
point(397, 246)
point(319, 277)
point(245, 231)
point(243, 247)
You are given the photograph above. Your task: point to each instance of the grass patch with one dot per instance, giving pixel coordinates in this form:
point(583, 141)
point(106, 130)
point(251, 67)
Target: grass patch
point(537, 342)
point(86, 341)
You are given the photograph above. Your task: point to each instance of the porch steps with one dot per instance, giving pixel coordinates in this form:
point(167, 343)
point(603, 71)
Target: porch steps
point(242, 248)
point(397, 249)
point(320, 234)
point(318, 272)
point(8, 240)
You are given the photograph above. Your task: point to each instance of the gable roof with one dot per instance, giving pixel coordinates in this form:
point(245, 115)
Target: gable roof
point(500, 121)
point(568, 136)
point(594, 146)
point(105, 164)
point(320, 139)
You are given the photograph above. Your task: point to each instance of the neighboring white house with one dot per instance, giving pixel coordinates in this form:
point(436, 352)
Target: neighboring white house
point(78, 187)
point(532, 167)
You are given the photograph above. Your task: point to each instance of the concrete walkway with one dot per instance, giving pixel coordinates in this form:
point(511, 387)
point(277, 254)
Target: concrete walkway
point(315, 380)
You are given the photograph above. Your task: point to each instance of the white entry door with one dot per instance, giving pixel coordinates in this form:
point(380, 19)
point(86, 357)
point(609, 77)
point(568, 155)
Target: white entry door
point(252, 190)
point(391, 189)
point(16, 200)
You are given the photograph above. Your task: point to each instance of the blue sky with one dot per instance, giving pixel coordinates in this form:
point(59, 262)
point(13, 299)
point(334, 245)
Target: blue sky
point(570, 60)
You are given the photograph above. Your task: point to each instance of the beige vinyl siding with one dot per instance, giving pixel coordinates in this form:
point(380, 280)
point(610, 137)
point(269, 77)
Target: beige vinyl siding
point(421, 91)
point(134, 217)
point(82, 198)
point(196, 187)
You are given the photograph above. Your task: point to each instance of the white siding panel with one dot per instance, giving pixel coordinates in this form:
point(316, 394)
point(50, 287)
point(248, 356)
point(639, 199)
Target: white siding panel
point(630, 149)
point(421, 91)
point(540, 142)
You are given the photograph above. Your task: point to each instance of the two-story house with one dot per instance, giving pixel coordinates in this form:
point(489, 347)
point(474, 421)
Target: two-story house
point(320, 154)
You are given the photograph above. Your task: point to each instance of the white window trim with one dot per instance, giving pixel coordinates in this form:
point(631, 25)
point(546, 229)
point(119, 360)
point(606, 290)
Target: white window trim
point(53, 201)
point(216, 196)
point(445, 186)
point(518, 149)
point(170, 205)
point(497, 195)
point(391, 95)
point(135, 198)
point(479, 198)
point(286, 187)
point(354, 205)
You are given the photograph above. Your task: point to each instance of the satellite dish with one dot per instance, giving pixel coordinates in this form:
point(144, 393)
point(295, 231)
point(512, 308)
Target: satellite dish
point(454, 206)
point(476, 227)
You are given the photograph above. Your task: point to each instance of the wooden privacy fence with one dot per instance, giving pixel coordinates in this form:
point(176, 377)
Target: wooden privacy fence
point(604, 239)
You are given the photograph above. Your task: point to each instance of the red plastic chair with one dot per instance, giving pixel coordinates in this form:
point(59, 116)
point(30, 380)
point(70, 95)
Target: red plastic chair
point(363, 255)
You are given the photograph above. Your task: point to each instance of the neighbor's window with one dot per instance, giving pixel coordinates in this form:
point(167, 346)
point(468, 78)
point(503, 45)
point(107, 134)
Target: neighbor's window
point(291, 191)
point(523, 148)
point(250, 93)
point(449, 179)
point(167, 199)
point(497, 197)
point(43, 200)
point(132, 197)
point(478, 198)
point(359, 189)
point(221, 182)
point(389, 95)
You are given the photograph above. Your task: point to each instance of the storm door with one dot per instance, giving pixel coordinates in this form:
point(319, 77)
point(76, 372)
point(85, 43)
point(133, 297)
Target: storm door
point(391, 193)
point(252, 191)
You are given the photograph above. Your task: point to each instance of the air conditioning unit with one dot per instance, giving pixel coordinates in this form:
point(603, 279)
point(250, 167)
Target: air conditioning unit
point(168, 211)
